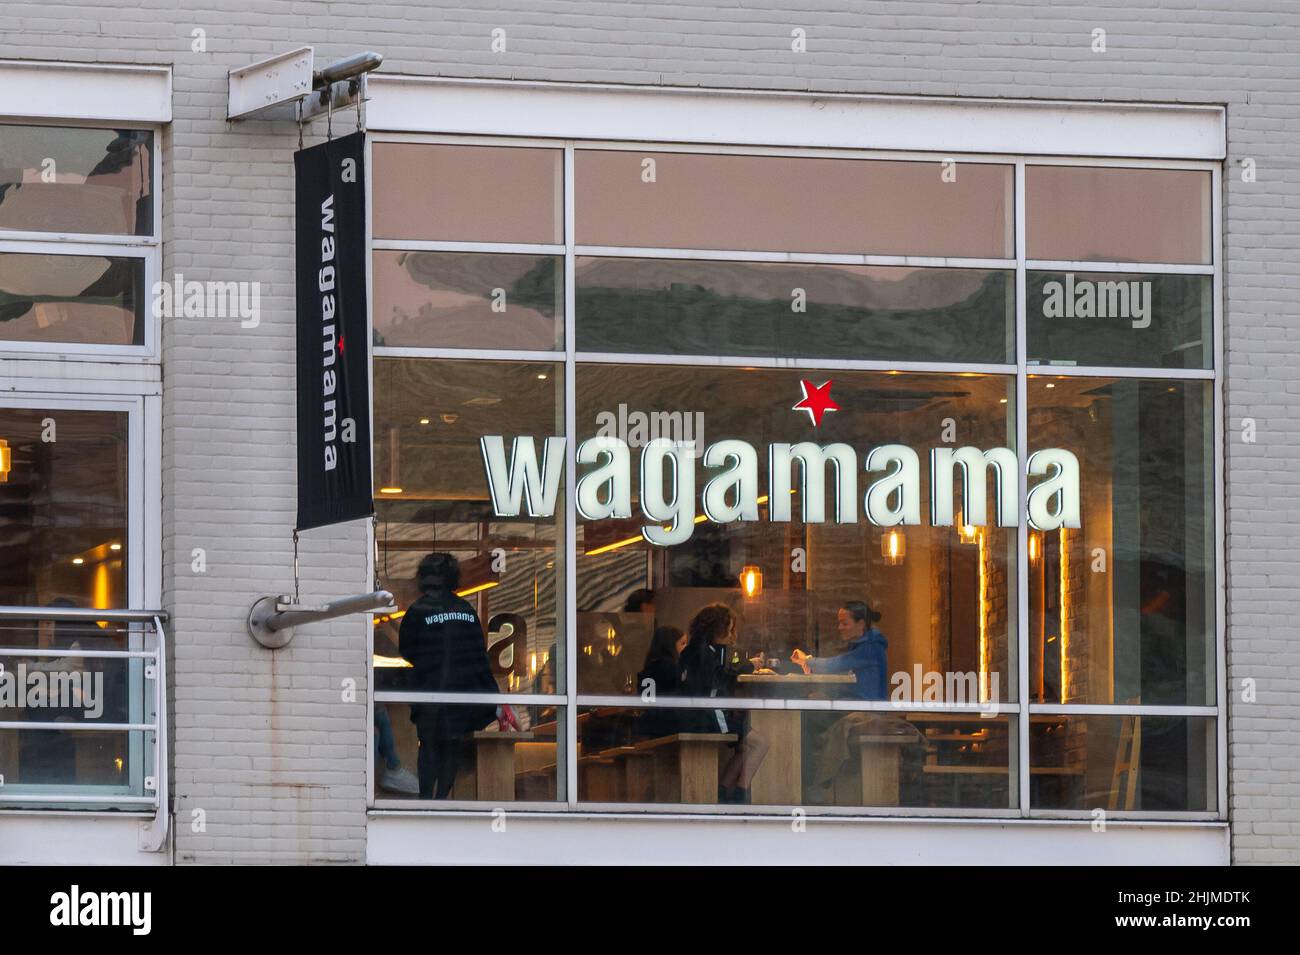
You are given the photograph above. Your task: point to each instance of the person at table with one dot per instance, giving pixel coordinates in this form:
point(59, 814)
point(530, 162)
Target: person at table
point(442, 638)
point(710, 668)
point(863, 654)
point(661, 675)
point(640, 601)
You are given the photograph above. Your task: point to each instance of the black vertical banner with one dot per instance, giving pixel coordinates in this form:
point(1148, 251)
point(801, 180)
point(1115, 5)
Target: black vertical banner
point(333, 362)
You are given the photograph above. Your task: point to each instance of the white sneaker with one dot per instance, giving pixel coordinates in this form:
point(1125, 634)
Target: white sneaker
point(399, 780)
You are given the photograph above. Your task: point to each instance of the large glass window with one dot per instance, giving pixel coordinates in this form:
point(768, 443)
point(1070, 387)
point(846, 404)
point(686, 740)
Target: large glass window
point(87, 299)
point(785, 402)
point(793, 204)
point(941, 591)
point(433, 496)
point(1121, 608)
point(62, 179)
point(457, 300)
point(79, 240)
point(64, 492)
point(467, 193)
point(1120, 319)
point(776, 310)
point(63, 506)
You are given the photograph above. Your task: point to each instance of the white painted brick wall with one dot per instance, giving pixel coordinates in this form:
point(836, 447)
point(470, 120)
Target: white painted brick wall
point(261, 741)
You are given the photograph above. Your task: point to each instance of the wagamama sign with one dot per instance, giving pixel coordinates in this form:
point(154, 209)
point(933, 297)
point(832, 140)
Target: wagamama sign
point(604, 491)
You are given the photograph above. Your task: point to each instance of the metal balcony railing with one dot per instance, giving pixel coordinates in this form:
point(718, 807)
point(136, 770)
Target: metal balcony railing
point(33, 642)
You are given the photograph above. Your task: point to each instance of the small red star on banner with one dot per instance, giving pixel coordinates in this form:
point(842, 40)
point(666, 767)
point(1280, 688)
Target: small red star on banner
point(816, 400)
point(340, 344)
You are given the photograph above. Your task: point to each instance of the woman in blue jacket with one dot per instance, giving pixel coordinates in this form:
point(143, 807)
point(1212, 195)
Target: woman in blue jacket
point(863, 655)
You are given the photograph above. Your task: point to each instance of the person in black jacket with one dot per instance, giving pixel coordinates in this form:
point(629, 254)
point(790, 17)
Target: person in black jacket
point(661, 675)
point(709, 668)
point(442, 638)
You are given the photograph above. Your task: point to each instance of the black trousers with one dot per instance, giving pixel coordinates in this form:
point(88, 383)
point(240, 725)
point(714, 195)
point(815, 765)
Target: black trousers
point(439, 749)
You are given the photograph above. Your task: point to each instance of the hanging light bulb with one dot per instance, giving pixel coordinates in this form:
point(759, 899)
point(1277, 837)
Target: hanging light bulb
point(966, 533)
point(751, 581)
point(893, 546)
point(1035, 546)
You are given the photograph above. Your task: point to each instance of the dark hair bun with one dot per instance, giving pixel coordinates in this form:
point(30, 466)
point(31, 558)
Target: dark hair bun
point(859, 610)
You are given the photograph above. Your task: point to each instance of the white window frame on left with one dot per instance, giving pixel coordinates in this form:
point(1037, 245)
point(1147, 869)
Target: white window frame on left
point(100, 377)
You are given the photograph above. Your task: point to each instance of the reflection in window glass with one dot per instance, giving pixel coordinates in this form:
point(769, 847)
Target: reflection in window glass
point(1120, 319)
point(1123, 763)
point(63, 506)
point(1114, 214)
point(74, 692)
point(673, 306)
point(433, 497)
point(792, 204)
point(50, 761)
point(468, 193)
point(455, 300)
point(477, 751)
point(795, 758)
point(83, 299)
point(1121, 609)
point(944, 594)
point(102, 180)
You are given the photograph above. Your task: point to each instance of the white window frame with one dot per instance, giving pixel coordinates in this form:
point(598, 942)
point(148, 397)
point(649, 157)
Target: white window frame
point(79, 376)
point(567, 117)
point(146, 247)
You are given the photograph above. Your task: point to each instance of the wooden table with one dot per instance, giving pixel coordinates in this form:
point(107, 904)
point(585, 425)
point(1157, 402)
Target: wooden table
point(779, 780)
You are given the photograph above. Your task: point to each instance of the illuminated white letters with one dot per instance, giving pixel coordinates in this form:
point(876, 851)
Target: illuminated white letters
point(974, 466)
point(904, 480)
point(812, 466)
point(613, 475)
point(1061, 488)
point(522, 479)
point(668, 483)
point(741, 461)
point(681, 509)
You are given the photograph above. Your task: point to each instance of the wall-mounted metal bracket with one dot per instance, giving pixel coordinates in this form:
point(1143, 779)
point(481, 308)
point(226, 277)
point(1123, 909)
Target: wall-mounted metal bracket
point(271, 619)
point(285, 78)
point(272, 88)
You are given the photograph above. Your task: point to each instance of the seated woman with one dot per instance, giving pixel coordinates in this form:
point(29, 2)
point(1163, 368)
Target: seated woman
point(661, 675)
point(708, 669)
point(863, 654)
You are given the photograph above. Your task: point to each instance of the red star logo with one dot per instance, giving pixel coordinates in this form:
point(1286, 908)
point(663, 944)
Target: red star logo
point(816, 400)
point(340, 344)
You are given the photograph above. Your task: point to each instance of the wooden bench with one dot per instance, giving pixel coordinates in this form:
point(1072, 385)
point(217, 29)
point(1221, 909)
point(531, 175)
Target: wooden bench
point(691, 777)
point(495, 763)
point(880, 757)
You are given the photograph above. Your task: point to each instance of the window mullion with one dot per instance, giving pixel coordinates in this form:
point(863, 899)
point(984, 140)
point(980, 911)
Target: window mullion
point(570, 750)
point(1022, 528)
